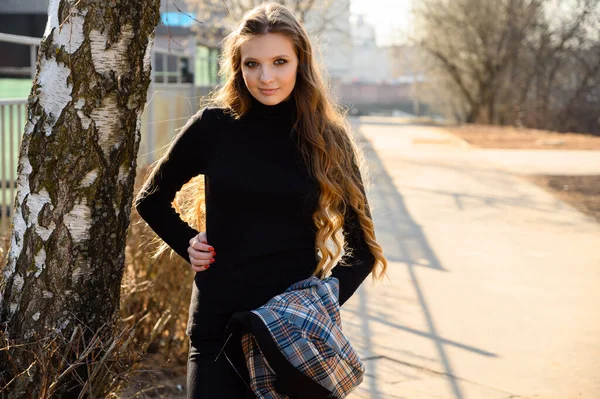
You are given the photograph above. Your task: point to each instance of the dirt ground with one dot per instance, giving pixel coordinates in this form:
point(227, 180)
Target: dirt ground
point(157, 380)
point(582, 192)
point(482, 136)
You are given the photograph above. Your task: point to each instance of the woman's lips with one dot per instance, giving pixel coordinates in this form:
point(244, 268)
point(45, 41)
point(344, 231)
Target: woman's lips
point(268, 92)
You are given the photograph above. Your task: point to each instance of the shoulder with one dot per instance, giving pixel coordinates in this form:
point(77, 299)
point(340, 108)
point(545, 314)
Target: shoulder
point(214, 115)
point(203, 122)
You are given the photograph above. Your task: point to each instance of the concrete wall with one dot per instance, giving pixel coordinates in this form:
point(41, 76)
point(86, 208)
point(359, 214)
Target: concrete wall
point(374, 93)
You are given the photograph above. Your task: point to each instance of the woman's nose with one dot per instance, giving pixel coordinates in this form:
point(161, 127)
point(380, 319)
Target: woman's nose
point(266, 75)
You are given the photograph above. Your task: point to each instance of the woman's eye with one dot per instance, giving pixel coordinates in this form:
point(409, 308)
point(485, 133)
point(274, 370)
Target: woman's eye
point(251, 64)
point(280, 61)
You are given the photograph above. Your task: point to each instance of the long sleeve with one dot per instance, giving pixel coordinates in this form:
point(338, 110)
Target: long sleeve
point(184, 160)
point(360, 260)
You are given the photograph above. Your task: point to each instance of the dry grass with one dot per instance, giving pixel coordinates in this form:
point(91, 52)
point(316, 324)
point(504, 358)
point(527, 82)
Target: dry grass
point(4, 244)
point(107, 361)
point(581, 192)
point(507, 137)
point(145, 354)
point(156, 292)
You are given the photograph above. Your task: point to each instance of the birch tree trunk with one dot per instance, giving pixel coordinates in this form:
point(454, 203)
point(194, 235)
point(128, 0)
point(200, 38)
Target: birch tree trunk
point(75, 176)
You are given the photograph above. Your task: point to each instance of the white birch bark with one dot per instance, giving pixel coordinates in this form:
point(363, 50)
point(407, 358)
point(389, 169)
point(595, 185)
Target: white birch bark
point(76, 172)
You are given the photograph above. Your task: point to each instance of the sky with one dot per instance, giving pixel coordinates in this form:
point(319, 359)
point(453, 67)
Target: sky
point(390, 17)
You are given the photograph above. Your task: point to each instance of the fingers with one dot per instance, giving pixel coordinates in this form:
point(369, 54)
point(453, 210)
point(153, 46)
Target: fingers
point(200, 257)
point(200, 253)
point(199, 243)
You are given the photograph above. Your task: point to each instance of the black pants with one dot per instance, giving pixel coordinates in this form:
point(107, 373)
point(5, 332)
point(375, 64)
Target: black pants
point(207, 379)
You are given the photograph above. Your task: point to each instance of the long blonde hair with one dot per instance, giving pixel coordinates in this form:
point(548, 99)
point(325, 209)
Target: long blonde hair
point(326, 145)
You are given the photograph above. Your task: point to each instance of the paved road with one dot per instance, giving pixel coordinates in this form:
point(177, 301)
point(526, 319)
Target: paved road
point(493, 287)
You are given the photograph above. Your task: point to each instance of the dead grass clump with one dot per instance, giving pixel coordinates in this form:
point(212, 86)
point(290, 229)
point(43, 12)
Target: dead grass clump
point(84, 365)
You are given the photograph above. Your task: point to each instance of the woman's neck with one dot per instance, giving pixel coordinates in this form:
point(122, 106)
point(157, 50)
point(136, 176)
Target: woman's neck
point(283, 110)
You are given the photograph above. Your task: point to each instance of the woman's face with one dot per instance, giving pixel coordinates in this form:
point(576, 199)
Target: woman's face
point(269, 66)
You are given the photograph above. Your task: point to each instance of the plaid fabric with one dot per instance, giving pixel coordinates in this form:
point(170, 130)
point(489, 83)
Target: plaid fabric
point(262, 379)
point(305, 323)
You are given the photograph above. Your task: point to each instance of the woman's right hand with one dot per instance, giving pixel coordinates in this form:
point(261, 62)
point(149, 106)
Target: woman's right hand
point(201, 254)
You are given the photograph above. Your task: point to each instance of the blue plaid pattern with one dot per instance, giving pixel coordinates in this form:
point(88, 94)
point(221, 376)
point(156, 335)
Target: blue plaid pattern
point(305, 323)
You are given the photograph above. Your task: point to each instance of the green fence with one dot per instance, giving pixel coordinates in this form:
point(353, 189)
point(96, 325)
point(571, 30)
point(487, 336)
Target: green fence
point(169, 107)
point(14, 88)
point(12, 123)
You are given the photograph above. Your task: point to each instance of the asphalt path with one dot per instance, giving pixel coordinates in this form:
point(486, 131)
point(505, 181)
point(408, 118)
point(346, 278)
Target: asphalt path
point(493, 284)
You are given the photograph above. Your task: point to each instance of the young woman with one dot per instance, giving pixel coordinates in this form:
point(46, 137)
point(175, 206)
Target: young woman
point(278, 178)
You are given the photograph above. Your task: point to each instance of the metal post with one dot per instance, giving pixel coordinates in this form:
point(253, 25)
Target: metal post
point(21, 111)
point(163, 62)
point(192, 70)
point(3, 216)
point(32, 59)
point(170, 128)
point(150, 118)
point(12, 172)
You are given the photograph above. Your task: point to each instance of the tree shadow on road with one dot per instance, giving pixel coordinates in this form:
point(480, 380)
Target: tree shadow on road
point(404, 242)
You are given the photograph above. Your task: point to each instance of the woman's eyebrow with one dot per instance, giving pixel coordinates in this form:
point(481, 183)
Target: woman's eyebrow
point(274, 58)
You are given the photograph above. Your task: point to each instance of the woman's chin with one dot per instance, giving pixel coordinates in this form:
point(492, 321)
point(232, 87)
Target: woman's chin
point(269, 100)
point(272, 99)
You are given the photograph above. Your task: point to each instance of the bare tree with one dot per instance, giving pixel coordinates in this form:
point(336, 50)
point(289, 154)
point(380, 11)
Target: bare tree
point(512, 61)
point(75, 180)
point(568, 70)
point(472, 42)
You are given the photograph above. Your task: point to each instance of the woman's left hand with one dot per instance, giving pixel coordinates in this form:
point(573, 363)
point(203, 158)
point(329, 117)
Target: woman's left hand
point(201, 254)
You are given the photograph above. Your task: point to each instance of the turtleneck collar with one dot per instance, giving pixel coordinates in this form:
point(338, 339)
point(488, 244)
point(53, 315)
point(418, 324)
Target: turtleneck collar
point(282, 111)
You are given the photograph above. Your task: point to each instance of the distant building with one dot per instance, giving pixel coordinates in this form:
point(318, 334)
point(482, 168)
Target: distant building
point(328, 24)
point(396, 64)
point(29, 17)
point(24, 18)
point(369, 62)
point(176, 31)
point(380, 79)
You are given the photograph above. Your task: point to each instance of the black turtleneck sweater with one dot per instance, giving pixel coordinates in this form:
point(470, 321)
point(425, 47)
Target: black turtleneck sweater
point(260, 198)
